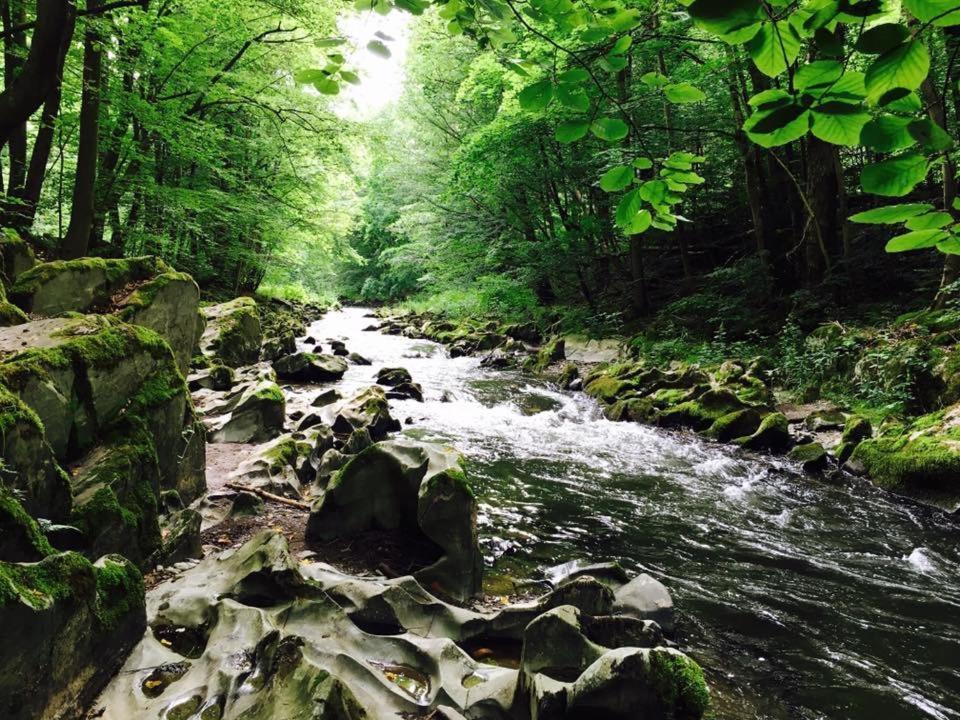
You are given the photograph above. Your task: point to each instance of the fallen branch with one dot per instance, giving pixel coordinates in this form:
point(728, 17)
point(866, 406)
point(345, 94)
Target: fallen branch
point(269, 496)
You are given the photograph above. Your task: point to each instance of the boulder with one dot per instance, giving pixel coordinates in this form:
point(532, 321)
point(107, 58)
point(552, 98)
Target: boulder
point(256, 414)
point(216, 377)
point(368, 409)
point(391, 377)
point(773, 435)
point(645, 598)
point(810, 456)
point(327, 397)
point(406, 391)
point(68, 625)
point(168, 304)
point(16, 256)
point(180, 533)
point(580, 349)
point(278, 347)
point(357, 359)
point(21, 539)
point(309, 368)
point(82, 285)
point(414, 488)
point(232, 332)
point(84, 375)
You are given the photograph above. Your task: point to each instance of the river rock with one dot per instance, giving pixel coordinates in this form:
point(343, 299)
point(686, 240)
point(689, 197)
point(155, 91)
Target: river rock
point(309, 368)
point(256, 618)
point(233, 333)
point(68, 625)
point(255, 414)
point(327, 397)
point(216, 377)
point(810, 456)
point(413, 488)
point(368, 409)
point(391, 377)
point(358, 359)
point(278, 347)
point(406, 391)
point(16, 256)
point(82, 285)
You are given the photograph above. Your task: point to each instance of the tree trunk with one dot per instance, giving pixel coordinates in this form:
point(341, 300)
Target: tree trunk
point(823, 190)
point(14, 14)
point(76, 243)
point(31, 87)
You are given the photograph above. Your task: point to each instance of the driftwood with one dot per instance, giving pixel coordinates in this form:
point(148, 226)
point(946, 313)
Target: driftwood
point(269, 496)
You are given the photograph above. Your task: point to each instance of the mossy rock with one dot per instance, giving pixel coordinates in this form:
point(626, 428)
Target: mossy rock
point(739, 423)
point(773, 435)
point(810, 456)
point(257, 415)
point(233, 333)
point(568, 374)
point(116, 493)
point(16, 256)
point(632, 409)
point(554, 350)
point(68, 626)
point(367, 409)
point(701, 413)
point(20, 537)
point(607, 389)
point(82, 285)
point(856, 428)
point(920, 460)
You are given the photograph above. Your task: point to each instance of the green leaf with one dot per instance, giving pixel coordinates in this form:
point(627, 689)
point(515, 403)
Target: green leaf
point(350, 77)
point(891, 214)
point(609, 129)
point(378, 48)
point(576, 75)
point(771, 99)
point(818, 74)
point(779, 126)
point(930, 221)
point(881, 38)
point(907, 102)
point(927, 10)
point(689, 178)
point(621, 45)
point(887, 133)
point(639, 223)
point(722, 17)
point(838, 123)
point(573, 97)
point(903, 67)
point(956, 203)
point(916, 240)
point(624, 20)
point(330, 42)
point(616, 178)
point(536, 97)
point(571, 130)
point(654, 79)
point(950, 246)
point(653, 191)
point(643, 163)
point(683, 93)
point(774, 48)
point(628, 207)
point(613, 63)
point(327, 86)
point(894, 177)
point(930, 135)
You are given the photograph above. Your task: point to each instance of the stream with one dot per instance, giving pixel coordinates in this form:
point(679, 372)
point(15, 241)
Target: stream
point(801, 598)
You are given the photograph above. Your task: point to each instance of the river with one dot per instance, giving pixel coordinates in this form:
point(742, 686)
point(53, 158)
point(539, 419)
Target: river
point(802, 598)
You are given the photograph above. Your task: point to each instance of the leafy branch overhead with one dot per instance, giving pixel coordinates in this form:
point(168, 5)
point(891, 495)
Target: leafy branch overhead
point(849, 73)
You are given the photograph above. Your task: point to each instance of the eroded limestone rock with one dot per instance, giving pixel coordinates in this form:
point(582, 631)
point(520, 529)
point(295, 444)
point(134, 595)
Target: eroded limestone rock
point(232, 333)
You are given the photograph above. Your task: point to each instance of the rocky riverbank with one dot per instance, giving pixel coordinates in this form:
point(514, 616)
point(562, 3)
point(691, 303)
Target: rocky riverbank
point(734, 401)
point(301, 557)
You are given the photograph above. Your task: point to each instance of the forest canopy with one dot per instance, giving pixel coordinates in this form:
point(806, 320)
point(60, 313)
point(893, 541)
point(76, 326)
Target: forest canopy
point(594, 162)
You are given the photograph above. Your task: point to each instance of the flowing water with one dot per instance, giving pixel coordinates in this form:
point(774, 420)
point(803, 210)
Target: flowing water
point(803, 599)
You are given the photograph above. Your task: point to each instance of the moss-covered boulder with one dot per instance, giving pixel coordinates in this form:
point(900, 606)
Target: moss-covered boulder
point(920, 459)
point(773, 435)
point(169, 305)
point(810, 456)
point(255, 413)
point(68, 625)
point(42, 486)
point(552, 351)
point(82, 375)
point(233, 333)
point(414, 488)
point(20, 537)
point(83, 285)
point(16, 256)
point(739, 423)
point(367, 409)
point(310, 368)
point(116, 490)
point(702, 412)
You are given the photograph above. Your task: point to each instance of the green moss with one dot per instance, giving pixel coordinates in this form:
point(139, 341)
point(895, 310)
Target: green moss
point(14, 412)
point(631, 409)
point(286, 453)
point(120, 590)
point(773, 434)
point(679, 683)
point(808, 453)
point(14, 520)
point(11, 315)
point(269, 392)
point(666, 397)
point(736, 424)
point(39, 585)
point(606, 388)
point(116, 272)
point(856, 428)
point(927, 462)
point(552, 351)
point(144, 295)
point(702, 412)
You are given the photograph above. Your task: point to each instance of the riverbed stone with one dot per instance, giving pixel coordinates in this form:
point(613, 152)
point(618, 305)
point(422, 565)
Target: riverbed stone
point(391, 376)
point(255, 414)
point(414, 488)
point(16, 256)
point(68, 625)
point(233, 333)
point(773, 435)
point(82, 285)
point(277, 347)
point(812, 457)
point(368, 409)
point(309, 368)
